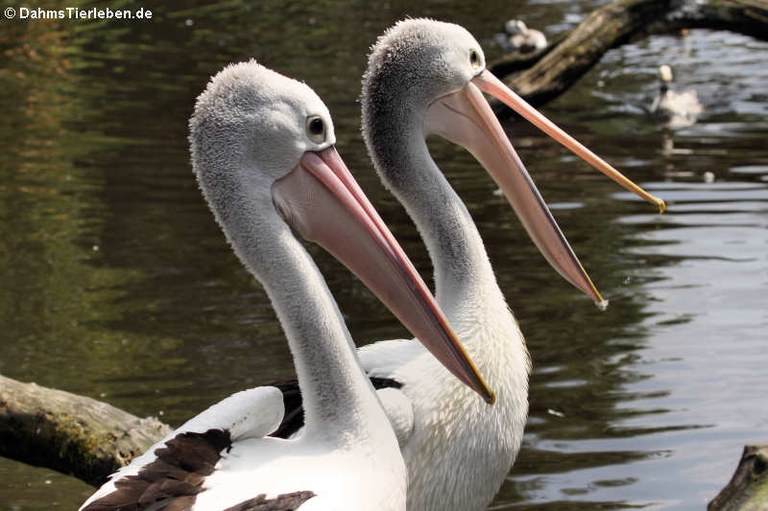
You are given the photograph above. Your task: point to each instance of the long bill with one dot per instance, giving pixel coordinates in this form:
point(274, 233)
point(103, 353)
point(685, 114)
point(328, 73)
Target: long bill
point(324, 203)
point(489, 84)
point(465, 118)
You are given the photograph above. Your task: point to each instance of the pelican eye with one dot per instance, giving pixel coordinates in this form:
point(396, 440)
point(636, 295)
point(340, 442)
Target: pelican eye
point(474, 58)
point(316, 129)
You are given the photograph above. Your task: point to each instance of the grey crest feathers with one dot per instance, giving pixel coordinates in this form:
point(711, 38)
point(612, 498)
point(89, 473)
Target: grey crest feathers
point(250, 115)
point(249, 128)
point(412, 64)
point(422, 55)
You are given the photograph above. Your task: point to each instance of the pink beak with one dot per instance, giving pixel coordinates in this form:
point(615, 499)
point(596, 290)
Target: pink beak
point(489, 84)
point(324, 203)
point(464, 117)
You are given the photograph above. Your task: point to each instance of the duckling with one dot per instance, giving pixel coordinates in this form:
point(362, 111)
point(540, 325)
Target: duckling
point(518, 38)
point(675, 109)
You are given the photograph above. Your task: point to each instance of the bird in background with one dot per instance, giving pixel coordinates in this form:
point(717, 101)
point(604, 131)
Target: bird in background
point(518, 38)
point(676, 109)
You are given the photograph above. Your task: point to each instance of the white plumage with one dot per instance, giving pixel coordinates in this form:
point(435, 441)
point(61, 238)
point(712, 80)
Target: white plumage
point(424, 77)
point(677, 109)
point(518, 38)
point(262, 150)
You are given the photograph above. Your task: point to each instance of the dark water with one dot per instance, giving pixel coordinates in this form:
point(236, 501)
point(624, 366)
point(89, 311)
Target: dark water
point(117, 284)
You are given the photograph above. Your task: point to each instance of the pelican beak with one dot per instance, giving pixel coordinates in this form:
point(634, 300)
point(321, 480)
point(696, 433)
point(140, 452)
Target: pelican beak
point(491, 85)
point(324, 203)
point(464, 117)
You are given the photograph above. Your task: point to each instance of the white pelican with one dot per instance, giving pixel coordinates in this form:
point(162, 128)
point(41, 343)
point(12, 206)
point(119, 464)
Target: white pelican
point(677, 109)
point(425, 77)
point(262, 150)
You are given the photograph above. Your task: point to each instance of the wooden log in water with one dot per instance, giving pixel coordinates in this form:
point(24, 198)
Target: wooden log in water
point(72, 434)
point(748, 488)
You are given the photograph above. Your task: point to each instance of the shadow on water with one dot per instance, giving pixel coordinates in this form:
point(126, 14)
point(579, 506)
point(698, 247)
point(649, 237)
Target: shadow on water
point(118, 284)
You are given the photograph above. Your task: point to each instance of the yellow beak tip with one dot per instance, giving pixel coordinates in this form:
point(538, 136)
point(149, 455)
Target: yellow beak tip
point(491, 397)
point(660, 204)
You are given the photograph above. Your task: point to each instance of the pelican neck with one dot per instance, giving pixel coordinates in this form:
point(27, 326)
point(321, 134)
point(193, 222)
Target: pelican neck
point(462, 271)
point(339, 400)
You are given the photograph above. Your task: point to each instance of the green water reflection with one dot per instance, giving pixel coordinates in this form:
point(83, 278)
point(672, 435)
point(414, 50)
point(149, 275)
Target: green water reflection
point(116, 282)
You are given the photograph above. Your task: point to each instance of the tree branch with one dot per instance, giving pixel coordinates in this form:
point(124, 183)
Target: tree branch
point(545, 76)
point(73, 434)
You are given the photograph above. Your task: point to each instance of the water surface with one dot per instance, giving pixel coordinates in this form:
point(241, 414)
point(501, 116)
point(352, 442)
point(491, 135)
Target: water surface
point(116, 282)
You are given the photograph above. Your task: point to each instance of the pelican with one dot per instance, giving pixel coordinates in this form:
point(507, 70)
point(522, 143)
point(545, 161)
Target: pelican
point(677, 109)
point(518, 38)
point(457, 450)
point(263, 152)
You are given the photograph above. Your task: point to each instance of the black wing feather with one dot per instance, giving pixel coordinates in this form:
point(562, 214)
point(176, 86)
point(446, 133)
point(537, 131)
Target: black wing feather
point(285, 502)
point(293, 420)
point(170, 482)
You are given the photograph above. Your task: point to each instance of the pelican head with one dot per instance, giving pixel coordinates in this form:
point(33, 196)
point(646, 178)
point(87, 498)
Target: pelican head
point(428, 77)
point(229, 135)
point(262, 149)
point(412, 64)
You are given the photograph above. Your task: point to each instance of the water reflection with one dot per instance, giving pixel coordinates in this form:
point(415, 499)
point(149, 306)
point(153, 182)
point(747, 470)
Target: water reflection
point(701, 268)
point(118, 284)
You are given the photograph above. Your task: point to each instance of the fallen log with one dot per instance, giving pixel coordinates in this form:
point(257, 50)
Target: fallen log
point(72, 434)
point(748, 488)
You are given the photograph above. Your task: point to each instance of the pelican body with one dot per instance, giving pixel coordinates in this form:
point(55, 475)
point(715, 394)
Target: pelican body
point(262, 151)
point(426, 77)
point(457, 451)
